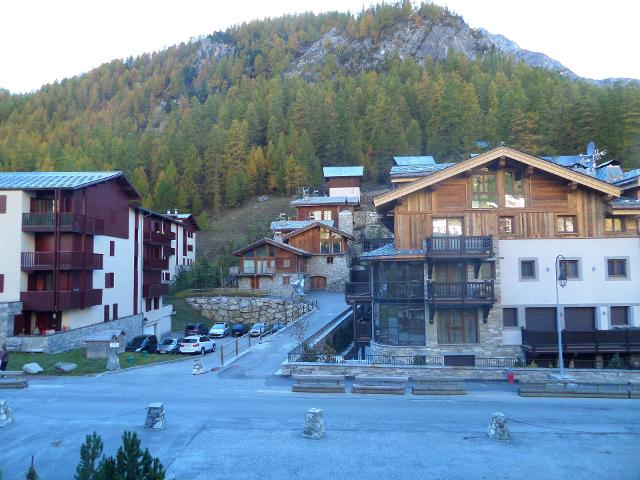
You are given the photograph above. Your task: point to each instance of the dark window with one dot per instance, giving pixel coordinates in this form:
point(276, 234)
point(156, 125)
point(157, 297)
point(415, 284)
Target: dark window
point(329, 259)
point(1, 282)
point(566, 224)
point(112, 248)
point(457, 326)
point(147, 304)
point(617, 267)
point(156, 303)
point(510, 317)
point(106, 313)
point(115, 311)
point(619, 316)
point(541, 319)
point(579, 319)
point(3, 204)
point(613, 224)
point(190, 248)
point(505, 225)
point(109, 280)
point(484, 191)
point(528, 270)
point(285, 280)
point(571, 268)
point(400, 324)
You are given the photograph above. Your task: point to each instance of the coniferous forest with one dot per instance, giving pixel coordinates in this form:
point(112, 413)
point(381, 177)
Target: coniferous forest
point(201, 132)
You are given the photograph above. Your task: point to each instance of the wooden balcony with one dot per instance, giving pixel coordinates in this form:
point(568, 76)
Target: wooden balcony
point(621, 340)
point(357, 292)
point(68, 222)
point(459, 246)
point(157, 238)
point(155, 290)
point(461, 293)
point(155, 263)
point(67, 300)
point(32, 261)
point(257, 271)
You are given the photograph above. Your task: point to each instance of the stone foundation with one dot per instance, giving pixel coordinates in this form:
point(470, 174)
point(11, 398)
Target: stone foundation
point(274, 285)
point(249, 310)
point(7, 311)
point(336, 273)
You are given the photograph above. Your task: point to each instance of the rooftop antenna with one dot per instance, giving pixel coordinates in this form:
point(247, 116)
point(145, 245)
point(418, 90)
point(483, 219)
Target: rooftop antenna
point(591, 147)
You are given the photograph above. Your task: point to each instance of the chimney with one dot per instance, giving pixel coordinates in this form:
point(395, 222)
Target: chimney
point(175, 212)
point(277, 236)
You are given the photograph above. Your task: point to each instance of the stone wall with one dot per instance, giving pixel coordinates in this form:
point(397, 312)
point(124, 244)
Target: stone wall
point(249, 310)
point(462, 373)
point(73, 339)
point(336, 273)
point(274, 285)
point(7, 312)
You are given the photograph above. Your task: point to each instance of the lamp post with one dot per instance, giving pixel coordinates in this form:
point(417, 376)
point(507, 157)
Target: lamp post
point(561, 280)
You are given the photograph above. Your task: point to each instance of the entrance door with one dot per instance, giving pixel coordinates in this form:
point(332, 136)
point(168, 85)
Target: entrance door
point(318, 283)
point(255, 283)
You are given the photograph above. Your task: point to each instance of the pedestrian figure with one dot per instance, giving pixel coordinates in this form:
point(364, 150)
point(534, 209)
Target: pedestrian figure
point(4, 357)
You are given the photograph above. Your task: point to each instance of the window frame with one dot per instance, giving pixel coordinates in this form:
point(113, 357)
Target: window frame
point(536, 275)
point(613, 219)
point(514, 192)
point(448, 230)
point(513, 223)
point(484, 192)
point(625, 277)
point(109, 280)
point(578, 276)
point(515, 317)
point(627, 310)
point(564, 218)
point(449, 327)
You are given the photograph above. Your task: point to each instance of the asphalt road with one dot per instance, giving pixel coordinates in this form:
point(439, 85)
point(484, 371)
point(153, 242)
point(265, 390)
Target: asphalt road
point(245, 423)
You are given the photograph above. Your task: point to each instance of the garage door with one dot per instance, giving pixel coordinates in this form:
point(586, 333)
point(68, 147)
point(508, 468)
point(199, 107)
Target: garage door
point(541, 319)
point(579, 319)
point(318, 283)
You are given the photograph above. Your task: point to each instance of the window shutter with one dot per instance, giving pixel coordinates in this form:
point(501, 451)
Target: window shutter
point(3, 204)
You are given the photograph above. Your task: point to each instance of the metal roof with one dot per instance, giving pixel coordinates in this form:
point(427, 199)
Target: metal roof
point(566, 160)
point(263, 241)
point(296, 224)
point(311, 201)
point(51, 180)
point(417, 170)
point(628, 176)
point(624, 202)
point(423, 160)
point(355, 171)
point(390, 250)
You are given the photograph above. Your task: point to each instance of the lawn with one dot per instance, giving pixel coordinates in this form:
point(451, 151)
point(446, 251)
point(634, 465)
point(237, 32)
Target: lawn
point(85, 366)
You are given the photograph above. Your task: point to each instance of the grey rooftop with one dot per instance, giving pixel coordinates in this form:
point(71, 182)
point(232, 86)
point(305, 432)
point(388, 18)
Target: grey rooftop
point(49, 180)
point(296, 224)
point(310, 201)
point(354, 171)
point(415, 160)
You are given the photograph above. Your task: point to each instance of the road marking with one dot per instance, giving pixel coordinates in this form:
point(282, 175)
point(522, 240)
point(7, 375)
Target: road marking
point(45, 386)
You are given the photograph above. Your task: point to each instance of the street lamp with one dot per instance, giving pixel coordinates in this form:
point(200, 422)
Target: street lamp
point(561, 280)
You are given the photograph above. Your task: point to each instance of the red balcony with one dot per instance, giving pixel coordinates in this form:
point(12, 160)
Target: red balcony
point(67, 300)
point(156, 238)
point(155, 290)
point(69, 222)
point(31, 261)
point(155, 263)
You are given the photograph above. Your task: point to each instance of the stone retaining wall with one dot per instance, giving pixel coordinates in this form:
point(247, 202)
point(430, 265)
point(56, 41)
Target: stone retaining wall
point(462, 373)
point(249, 310)
point(7, 311)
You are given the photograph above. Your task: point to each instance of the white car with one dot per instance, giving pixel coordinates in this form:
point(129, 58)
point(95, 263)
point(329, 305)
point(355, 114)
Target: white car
point(258, 329)
point(220, 330)
point(197, 344)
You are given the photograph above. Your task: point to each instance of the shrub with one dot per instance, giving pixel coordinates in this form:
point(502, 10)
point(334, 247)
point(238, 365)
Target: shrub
point(616, 362)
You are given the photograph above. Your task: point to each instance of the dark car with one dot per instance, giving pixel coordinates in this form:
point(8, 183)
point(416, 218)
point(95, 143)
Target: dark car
point(195, 329)
point(239, 329)
point(143, 343)
point(169, 345)
point(275, 327)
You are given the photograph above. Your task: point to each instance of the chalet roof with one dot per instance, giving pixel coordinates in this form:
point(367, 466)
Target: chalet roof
point(489, 156)
point(354, 171)
point(609, 173)
point(318, 224)
point(265, 241)
point(421, 160)
point(390, 250)
point(416, 170)
point(184, 218)
point(62, 181)
point(627, 177)
point(280, 225)
point(313, 201)
point(625, 203)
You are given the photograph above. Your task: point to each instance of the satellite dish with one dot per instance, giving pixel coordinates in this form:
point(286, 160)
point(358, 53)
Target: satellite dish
point(591, 148)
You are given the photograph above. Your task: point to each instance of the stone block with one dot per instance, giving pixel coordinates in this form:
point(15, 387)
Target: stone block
point(498, 429)
point(32, 368)
point(5, 414)
point(313, 424)
point(155, 417)
point(65, 367)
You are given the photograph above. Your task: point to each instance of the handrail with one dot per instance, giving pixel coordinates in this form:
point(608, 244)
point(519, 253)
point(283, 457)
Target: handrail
point(459, 245)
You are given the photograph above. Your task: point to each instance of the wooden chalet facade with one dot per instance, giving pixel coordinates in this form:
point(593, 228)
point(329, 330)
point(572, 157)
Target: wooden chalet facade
point(472, 270)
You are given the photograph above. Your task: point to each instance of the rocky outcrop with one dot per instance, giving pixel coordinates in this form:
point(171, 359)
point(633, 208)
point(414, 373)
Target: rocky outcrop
point(249, 310)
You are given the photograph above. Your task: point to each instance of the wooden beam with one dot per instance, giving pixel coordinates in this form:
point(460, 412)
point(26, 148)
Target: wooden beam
point(572, 186)
point(528, 172)
point(502, 162)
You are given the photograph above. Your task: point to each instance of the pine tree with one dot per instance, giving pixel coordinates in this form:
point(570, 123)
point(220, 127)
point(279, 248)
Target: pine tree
point(90, 453)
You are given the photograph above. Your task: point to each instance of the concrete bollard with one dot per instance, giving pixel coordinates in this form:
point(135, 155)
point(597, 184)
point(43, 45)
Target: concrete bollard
point(155, 417)
point(113, 362)
point(5, 414)
point(498, 429)
point(198, 367)
point(313, 424)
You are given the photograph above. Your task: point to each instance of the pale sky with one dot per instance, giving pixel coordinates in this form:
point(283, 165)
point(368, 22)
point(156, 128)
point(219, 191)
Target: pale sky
point(45, 40)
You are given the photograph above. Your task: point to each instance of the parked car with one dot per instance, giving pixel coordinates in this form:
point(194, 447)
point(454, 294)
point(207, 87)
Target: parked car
point(197, 344)
point(195, 329)
point(220, 330)
point(169, 345)
point(258, 329)
point(277, 326)
point(239, 329)
point(143, 343)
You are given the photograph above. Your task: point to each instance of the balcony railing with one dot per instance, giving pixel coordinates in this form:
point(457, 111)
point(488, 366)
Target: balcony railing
point(69, 222)
point(589, 341)
point(67, 300)
point(357, 291)
point(464, 293)
point(157, 238)
point(459, 246)
point(66, 261)
point(401, 291)
point(155, 290)
point(155, 263)
point(258, 270)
